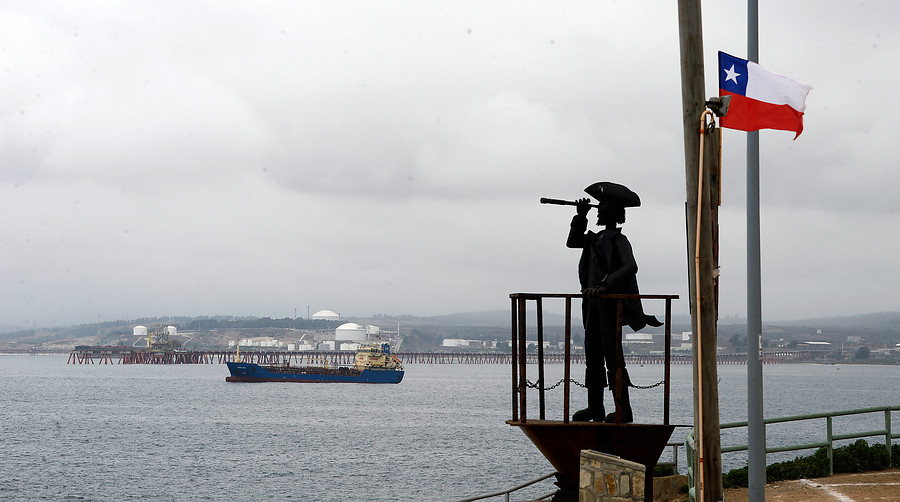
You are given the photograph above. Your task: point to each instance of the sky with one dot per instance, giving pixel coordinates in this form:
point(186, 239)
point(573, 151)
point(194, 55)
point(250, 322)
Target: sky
point(276, 158)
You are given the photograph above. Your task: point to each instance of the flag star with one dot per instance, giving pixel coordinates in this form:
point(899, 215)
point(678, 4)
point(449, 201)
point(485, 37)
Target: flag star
point(732, 75)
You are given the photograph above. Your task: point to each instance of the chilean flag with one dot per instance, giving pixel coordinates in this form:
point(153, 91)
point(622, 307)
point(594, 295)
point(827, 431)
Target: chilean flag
point(760, 99)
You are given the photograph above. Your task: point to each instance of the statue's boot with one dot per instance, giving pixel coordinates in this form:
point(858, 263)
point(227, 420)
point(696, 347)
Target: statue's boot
point(594, 412)
point(623, 402)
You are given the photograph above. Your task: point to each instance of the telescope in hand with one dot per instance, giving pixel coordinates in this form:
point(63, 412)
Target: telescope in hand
point(560, 202)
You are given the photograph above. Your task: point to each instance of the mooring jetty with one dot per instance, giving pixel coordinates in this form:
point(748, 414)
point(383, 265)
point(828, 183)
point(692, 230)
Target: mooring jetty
point(115, 354)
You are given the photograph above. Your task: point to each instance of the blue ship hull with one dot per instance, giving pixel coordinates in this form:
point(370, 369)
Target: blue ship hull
point(250, 372)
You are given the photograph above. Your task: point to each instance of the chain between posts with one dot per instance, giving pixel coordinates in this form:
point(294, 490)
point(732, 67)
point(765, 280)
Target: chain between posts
point(535, 385)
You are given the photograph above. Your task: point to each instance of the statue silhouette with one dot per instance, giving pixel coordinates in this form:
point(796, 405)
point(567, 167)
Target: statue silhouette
point(607, 266)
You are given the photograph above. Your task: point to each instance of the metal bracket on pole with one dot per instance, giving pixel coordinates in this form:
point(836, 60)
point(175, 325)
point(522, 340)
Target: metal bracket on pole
point(719, 105)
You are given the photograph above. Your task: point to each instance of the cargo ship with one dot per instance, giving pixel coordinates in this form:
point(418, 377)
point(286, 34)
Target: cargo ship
point(373, 364)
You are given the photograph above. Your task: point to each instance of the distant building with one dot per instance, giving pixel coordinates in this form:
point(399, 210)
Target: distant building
point(685, 341)
point(262, 341)
point(637, 339)
point(814, 345)
point(572, 346)
point(459, 342)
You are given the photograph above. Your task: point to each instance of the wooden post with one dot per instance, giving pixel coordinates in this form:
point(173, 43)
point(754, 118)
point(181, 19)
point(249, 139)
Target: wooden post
point(702, 285)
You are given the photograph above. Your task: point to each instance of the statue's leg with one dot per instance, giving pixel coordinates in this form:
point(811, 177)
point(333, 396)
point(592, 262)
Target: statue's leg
point(594, 372)
point(615, 365)
point(595, 381)
point(620, 396)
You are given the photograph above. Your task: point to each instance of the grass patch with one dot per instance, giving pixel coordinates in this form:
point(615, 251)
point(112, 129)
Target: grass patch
point(856, 457)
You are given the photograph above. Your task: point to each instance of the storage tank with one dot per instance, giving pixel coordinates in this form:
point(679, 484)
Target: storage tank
point(171, 330)
point(140, 331)
point(350, 332)
point(327, 315)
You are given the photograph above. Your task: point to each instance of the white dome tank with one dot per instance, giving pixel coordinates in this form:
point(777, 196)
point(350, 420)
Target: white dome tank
point(140, 331)
point(350, 332)
point(327, 315)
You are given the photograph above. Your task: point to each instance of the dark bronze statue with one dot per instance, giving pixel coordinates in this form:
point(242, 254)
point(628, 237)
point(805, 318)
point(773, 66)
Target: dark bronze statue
point(607, 266)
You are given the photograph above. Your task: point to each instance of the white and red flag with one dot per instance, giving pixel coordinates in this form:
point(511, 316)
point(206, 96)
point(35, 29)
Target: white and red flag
point(760, 99)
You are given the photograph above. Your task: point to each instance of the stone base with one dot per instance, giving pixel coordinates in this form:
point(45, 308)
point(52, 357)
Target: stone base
point(667, 488)
point(608, 478)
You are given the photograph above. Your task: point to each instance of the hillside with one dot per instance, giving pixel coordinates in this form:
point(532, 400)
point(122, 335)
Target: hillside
point(425, 333)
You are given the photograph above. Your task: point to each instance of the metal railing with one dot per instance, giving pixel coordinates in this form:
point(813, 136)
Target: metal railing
point(507, 493)
point(830, 436)
point(674, 462)
point(519, 358)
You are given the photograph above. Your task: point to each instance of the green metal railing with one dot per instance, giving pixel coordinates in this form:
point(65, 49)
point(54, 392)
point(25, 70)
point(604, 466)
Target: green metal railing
point(507, 493)
point(828, 443)
point(830, 436)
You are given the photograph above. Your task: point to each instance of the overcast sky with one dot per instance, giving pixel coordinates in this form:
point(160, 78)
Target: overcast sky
point(266, 158)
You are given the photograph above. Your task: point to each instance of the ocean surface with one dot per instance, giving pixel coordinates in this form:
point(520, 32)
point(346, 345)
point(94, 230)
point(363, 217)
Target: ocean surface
point(180, 432)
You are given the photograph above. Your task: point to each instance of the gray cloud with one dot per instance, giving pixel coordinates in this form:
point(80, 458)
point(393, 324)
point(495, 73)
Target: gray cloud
point(220, 158)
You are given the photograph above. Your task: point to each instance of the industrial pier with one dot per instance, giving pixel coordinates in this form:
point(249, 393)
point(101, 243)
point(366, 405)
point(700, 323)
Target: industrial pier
point(113, 354)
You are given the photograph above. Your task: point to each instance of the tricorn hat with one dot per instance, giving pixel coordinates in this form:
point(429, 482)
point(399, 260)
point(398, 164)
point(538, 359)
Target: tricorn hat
point(613, 193)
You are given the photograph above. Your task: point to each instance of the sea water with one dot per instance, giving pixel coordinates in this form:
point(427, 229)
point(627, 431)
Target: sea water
point(180, 432)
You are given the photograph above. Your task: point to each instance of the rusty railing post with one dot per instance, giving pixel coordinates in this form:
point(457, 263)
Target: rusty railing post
point(522, 356)
point(668, 356)
point(567, 371)
point(515, 366)
point(540, 353)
